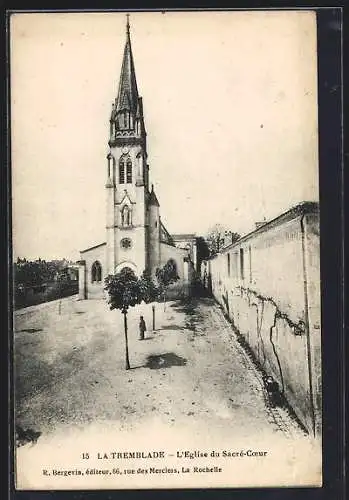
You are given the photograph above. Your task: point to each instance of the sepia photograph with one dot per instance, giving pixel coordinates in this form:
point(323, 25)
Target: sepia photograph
point(166, 250)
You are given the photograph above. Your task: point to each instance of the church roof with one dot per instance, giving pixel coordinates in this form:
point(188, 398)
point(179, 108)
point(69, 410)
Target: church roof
point(165, 236)
point(128, 92)
point(92, 248)
point(184, 237)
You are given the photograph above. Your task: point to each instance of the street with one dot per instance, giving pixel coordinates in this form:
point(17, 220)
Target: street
point(189, 379)
point(70, 369)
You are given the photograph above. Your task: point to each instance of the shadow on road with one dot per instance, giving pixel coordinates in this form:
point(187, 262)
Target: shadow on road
point(193, 315)
point(171, 327)
point(166, 360)
point(24, 436)
point(189, 305)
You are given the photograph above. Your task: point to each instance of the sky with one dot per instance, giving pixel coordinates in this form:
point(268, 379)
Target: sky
point(230, 105)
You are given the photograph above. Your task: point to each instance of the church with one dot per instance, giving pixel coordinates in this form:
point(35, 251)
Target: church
point(135, 235)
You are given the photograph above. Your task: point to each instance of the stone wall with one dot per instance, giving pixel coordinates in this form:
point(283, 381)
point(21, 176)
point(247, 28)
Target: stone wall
point(185, 269)
point(268, 284)
point(87, 288)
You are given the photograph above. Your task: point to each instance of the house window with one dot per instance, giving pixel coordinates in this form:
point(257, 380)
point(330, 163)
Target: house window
point(234, 264)
point(121, 172)
point(129, 172)
point(242, 264)
point(96, 272)
point(250, 262)
point(228, 264)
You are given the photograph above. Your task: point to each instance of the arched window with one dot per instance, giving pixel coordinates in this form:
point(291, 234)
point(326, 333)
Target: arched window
point(121, 172)
point(129, 172)
point(127, 270)
point(96, 272)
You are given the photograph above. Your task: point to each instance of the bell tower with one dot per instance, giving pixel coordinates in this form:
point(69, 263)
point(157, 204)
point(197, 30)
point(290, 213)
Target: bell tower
point(127, 174)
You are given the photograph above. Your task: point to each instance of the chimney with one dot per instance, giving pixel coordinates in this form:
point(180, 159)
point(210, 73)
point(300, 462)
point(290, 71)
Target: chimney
point(261, 223)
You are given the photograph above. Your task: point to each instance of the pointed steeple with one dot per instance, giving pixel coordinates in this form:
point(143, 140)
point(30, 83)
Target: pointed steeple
point(126, 119)
point(127, 98)
point(152, 197)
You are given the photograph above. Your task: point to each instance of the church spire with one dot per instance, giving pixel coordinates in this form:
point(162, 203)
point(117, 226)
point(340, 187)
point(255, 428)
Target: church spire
point(126, 119)
point(127, 99)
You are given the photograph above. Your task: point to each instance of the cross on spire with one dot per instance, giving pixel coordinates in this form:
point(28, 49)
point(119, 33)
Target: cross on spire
point(128, 24)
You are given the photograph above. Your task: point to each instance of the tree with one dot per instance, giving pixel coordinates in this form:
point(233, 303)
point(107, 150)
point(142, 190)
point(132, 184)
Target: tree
point(166, 275)
point(149, 291)
point(35, 273)
point(203, 251)
point(126, 290)
point(219, 237)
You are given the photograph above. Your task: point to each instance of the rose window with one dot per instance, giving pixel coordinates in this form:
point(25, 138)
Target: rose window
point(126, 243)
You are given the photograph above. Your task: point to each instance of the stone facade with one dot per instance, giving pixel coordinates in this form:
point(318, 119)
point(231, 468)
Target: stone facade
point(187, 242)
point(268, 284)
point(135, 235)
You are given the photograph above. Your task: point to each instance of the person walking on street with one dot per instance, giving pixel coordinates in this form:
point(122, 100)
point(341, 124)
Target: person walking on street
point(142, 328)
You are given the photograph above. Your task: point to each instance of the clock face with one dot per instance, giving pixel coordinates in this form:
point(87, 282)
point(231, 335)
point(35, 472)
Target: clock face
point(125, 150)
